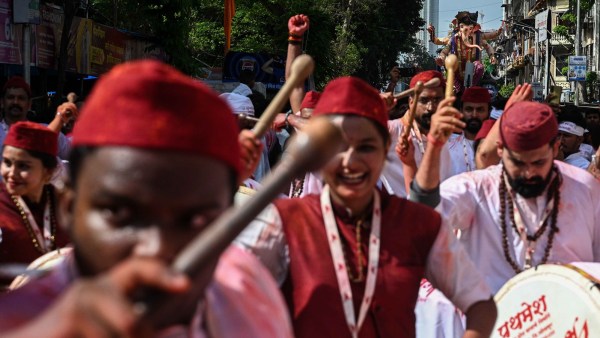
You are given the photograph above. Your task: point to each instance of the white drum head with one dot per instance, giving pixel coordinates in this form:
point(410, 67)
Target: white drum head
point(44, 262)
point(550, 301)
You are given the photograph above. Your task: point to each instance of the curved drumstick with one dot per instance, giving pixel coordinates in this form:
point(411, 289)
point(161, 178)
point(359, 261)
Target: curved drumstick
point(450, 64)
point(309, 151)
point(403, 140)
point(302, 67)
point(433, 83)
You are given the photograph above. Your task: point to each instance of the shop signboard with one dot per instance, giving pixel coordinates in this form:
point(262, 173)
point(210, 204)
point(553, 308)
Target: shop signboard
point(577, 68)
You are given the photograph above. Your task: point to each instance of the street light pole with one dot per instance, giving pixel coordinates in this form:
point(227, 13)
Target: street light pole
point(27, 53)
point(577, 47)
point(536, 63)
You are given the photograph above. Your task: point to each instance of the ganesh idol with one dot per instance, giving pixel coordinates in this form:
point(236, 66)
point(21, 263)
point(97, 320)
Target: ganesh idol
point(466, 41)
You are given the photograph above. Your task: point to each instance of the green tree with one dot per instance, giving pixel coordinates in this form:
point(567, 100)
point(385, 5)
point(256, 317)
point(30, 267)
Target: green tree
point(347, 37)
point(507, 90)
point(418, 57)
point(70, 9)
point(169, 22)
point(591, 84)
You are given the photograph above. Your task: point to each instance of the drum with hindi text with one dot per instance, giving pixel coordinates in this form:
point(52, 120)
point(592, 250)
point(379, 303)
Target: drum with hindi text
point(550, 301)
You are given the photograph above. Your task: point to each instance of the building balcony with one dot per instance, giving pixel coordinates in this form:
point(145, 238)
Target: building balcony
point(559, 40)
point(516, 63)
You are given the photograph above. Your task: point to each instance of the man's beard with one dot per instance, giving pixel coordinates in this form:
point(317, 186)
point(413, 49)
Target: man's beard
point(528, 188)
point(14, 111)
point(473, 125)
point(424, 120)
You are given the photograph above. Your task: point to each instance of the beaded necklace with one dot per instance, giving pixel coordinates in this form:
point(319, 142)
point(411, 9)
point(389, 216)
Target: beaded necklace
point(360, 257)
point(506, 200)
point(40, 247)
point(298, 187)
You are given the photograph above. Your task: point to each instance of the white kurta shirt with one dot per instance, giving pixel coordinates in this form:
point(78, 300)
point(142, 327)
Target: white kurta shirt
point(471, 202)
point(393, 174)
point(462, 154)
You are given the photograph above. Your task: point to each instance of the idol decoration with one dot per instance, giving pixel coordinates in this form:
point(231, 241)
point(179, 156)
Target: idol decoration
point(466, 41)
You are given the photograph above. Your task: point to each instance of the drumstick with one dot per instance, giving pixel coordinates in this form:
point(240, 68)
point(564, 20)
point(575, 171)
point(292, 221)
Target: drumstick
point(302, 67)
point(450, 63)
point(249, 119)
point(418, 88)
point(309, 151)
point(435, 82)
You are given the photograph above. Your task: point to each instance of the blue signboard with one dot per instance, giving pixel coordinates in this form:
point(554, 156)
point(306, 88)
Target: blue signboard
point(577, 68)
point(268, 69)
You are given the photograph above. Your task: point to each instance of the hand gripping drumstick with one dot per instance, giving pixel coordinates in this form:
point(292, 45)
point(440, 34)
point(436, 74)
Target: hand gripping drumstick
point(310, 150)
point(450, 63)
point(403, 140)
point(433, 83)
point(302, 67)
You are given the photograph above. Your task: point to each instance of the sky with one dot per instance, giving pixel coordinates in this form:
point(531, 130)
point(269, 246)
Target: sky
point(490, 8)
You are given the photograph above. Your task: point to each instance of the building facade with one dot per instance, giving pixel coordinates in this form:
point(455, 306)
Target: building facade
point(429, 13)
point(525, 59)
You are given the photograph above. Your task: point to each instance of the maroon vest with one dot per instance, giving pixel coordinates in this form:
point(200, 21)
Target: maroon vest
point(408, 231)
point(16, 245)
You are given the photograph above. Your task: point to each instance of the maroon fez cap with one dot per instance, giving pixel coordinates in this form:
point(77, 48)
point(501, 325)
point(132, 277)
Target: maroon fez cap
point(310, 100)
point(486, 126)
point(32, 136)
point(426, 76)
point(150, 105)
point(527, 126)
point(17, 82)
point(476, 95)
point(352, 96)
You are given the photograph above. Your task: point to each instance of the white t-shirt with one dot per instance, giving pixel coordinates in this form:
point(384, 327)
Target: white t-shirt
point(587, 151)
point(577, 159)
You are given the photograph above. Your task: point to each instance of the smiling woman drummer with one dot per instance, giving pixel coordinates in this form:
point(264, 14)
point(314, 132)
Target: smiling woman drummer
point(350, 261)
point(28, 221)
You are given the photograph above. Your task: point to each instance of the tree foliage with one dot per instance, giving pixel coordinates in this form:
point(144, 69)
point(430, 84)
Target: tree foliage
point(169, 22)
point(346, 37)
point(506, 90)
point(419, 58)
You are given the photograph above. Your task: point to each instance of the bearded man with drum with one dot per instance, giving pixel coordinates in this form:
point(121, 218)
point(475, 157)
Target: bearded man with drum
point(526, 211)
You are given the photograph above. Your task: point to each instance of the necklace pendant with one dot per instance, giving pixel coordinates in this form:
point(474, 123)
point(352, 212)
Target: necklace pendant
point(529, 256)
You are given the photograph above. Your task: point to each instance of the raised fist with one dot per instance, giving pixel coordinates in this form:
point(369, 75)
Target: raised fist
point(67, 111)
point(431, 29)
point(298, 24)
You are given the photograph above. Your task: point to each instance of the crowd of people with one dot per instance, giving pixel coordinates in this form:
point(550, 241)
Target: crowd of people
point(476, 193)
